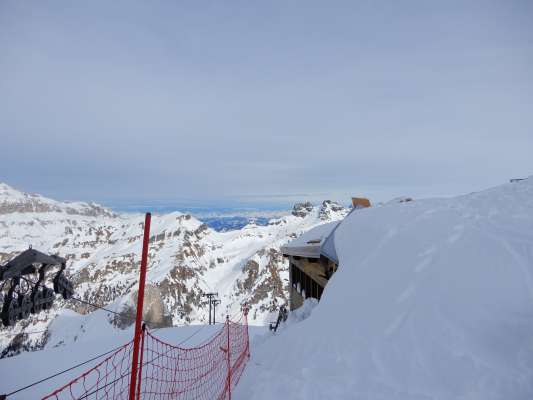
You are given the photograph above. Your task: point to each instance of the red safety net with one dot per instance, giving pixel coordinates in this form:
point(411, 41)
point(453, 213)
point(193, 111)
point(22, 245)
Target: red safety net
point(166, 371)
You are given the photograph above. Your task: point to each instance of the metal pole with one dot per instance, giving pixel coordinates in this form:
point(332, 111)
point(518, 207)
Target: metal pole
point(140, 300)
point(210, 301)
point(215, 304)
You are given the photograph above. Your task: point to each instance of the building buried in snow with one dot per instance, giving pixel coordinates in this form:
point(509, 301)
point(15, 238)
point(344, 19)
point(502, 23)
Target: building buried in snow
point(360, 202)
point(313, 259)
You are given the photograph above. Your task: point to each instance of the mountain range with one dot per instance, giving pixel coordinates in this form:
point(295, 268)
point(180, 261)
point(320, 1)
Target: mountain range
point(187, 258)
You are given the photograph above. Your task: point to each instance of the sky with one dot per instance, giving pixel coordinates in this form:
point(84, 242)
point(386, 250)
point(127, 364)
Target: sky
point(252, 101)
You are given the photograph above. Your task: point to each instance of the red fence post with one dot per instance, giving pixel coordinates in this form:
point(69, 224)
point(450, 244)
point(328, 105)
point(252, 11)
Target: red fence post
point(229, 360)
point(245, 310)
point(141, 363)
point(140, 301)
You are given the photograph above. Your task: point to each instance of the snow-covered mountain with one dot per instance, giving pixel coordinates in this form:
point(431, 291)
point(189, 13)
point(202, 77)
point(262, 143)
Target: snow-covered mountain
point(186, 259)
point(433, 299)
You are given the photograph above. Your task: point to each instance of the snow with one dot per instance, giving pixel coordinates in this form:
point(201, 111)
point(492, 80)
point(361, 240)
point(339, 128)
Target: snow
point(308, 244)
point(433, 299)
point(12, 200)
point(103, 251)
point(87, 336)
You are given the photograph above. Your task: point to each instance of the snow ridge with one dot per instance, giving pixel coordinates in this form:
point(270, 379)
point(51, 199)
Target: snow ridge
point(433, 300)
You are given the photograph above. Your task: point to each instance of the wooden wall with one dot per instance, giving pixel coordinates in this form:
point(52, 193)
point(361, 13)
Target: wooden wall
point(308, 278)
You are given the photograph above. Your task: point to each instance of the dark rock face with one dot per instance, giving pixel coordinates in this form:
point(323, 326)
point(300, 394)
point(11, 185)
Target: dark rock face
point(19, 344)
point(263, 287)
point(182, 291)
point(302, 209)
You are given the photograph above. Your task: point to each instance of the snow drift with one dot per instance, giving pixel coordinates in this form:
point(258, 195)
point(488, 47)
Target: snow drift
point(433, 299)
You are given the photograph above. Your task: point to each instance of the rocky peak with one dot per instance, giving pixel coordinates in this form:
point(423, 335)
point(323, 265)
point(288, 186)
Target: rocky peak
point(302, 209)
point(15, 201)
point(330, 209)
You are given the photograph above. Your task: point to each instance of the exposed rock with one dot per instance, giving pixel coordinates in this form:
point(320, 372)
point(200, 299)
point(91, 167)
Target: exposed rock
point(302, 209)
point(19, 343)
point(186, 258)
point(328, 209)
point(401, 199)
point(154, 312)
point(13, 201)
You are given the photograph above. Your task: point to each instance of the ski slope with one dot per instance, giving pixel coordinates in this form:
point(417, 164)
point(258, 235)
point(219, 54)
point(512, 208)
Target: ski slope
point(75, 338)
point(433, 300)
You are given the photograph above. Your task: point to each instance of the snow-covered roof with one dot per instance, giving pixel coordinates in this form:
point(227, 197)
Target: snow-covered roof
point(309, 244)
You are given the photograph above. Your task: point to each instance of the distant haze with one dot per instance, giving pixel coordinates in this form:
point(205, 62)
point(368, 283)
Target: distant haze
point(264, 102)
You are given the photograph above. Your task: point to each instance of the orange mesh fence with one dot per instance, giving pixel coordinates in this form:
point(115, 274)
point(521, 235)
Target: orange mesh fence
point(240, 350)
point(109, 379)
point(206, 372)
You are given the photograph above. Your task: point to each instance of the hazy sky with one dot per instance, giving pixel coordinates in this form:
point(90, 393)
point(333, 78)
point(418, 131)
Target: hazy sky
point(170, 100)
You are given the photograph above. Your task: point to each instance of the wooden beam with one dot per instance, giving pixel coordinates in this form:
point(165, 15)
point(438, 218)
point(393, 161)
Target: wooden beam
point(314, 270)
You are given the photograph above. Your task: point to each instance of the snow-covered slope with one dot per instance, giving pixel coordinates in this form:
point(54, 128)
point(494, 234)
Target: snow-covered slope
point(433, 299)
point(62, 352)
point(186, 259)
